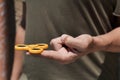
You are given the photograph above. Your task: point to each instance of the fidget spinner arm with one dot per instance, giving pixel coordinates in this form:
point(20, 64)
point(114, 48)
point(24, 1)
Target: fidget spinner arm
point(32, 48)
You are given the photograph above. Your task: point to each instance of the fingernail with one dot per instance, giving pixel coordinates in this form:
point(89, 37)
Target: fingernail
point(27, 53)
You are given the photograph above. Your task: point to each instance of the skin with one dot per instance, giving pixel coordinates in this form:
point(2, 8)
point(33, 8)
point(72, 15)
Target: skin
point(18, 57)
point(82, 45)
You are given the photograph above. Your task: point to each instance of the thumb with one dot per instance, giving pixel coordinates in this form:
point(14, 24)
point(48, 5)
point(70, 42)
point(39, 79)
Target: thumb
point(80, 43)
point(68, 40)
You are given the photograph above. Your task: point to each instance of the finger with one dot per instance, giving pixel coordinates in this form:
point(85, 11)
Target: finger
point(56, 55)
point(64, 37)
point(56, 43)
point(79, 43)
point(69, 41)
point(61, 56)
point(27, 53)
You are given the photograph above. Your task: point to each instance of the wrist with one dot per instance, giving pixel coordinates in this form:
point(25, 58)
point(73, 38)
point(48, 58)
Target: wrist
point(102, 42)
point(14, 78)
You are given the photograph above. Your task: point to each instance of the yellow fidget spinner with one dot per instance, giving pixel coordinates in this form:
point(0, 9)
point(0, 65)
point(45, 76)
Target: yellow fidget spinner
point(32, 48)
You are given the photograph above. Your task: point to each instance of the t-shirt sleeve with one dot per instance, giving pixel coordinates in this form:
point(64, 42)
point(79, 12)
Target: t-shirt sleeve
point(23, 22)
point(116, 14)
point(117, 9)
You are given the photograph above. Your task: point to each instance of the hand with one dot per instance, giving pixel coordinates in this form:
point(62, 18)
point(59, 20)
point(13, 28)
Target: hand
point(68, 49)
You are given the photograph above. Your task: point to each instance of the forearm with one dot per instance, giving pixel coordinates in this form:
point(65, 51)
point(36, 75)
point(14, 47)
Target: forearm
point(18, 57)
point(17, 66)
point(108, 42)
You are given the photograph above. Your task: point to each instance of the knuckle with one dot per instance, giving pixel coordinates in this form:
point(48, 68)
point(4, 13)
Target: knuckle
point(52, 41)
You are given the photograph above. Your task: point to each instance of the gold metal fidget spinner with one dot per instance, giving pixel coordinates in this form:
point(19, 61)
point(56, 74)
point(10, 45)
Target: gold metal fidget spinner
point(32, 48)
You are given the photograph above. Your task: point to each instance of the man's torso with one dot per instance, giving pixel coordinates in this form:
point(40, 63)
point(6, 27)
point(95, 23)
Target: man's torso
point(47, 19)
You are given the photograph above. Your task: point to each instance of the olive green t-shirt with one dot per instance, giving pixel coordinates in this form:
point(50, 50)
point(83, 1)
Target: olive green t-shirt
point(47, 19)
